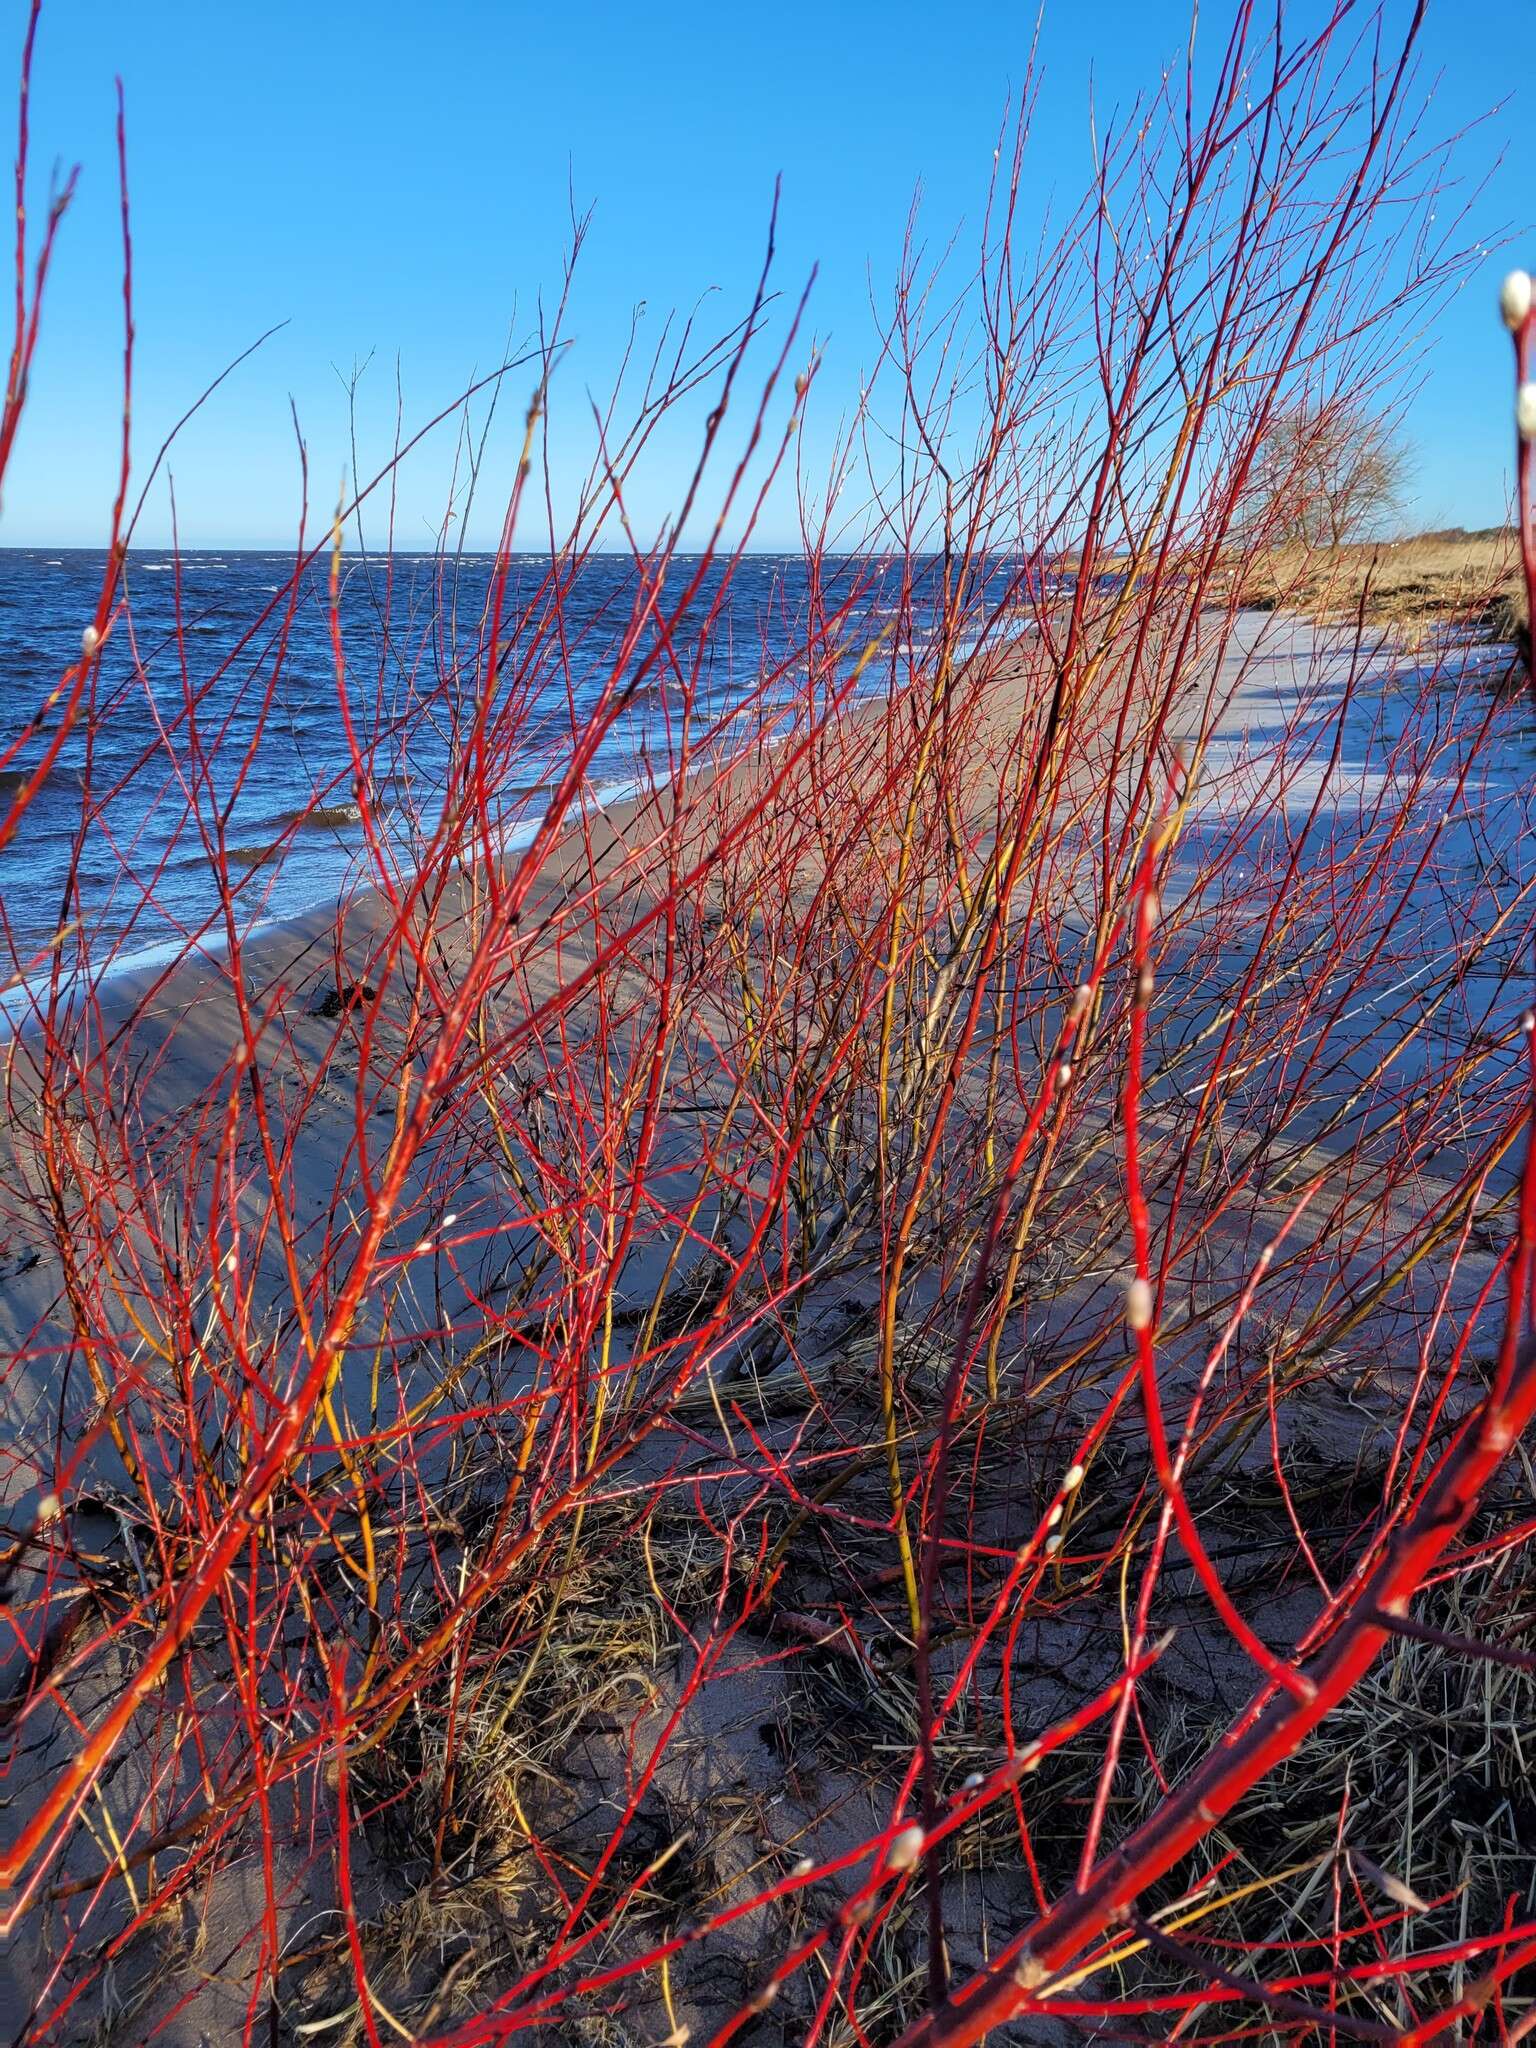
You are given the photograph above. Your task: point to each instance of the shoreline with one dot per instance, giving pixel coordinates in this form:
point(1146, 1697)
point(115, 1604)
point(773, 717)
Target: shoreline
point(167, 1053)
point(182, 999)
point(211, 945)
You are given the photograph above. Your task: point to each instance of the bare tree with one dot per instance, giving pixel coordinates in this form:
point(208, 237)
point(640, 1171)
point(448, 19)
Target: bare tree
point(1327, 474)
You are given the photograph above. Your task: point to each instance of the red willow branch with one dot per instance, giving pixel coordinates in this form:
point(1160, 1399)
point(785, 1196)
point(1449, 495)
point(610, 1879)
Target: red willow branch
point(1277, 1721)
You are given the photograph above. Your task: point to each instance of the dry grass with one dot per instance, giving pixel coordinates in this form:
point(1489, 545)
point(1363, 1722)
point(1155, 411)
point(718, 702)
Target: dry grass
point(1409, 1811)
point(1430, 579)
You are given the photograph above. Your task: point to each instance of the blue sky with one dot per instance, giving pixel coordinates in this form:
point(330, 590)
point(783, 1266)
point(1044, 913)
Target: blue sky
point(393, 180)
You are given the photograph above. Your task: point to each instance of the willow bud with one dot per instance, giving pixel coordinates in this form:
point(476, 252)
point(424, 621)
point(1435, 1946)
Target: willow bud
point(1515, 299)
point(906, 1848)
point(1138, 1304)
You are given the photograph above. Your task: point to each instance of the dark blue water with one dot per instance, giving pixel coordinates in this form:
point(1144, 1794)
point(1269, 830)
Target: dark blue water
point(227, 661)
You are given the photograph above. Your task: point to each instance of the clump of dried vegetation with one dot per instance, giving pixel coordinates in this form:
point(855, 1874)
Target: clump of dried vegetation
point(1416, 585)
point(876, 1395)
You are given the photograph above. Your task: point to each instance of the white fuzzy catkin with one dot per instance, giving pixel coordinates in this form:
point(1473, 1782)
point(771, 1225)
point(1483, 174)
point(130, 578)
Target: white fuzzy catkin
point(1525, 412)
point(905, 1849)
point(90, 640)
point(1073, 1480)
point(1515, 296)
point(1138, 1304)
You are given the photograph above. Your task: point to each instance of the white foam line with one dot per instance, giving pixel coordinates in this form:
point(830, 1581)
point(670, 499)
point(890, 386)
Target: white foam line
point(18, 1013)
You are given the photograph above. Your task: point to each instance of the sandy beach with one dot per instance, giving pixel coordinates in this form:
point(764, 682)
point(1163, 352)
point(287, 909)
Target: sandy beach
point(449, 1357)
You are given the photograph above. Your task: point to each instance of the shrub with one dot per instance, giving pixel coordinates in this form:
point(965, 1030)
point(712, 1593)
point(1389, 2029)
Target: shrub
point(611, 1430)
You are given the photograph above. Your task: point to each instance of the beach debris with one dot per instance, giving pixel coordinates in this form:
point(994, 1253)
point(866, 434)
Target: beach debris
point(341, 997)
